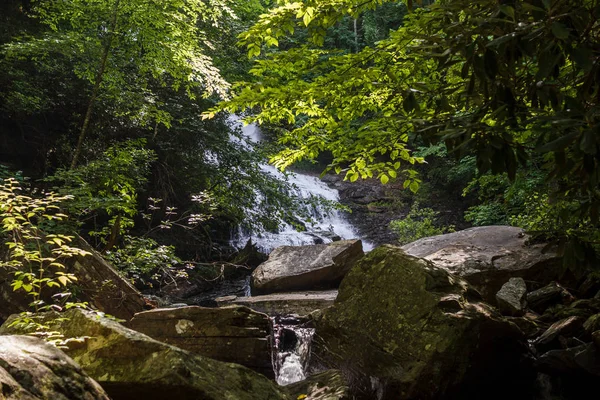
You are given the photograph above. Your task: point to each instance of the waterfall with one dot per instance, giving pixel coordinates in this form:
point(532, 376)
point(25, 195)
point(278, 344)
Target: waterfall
point(330, 224)
point(291, 349)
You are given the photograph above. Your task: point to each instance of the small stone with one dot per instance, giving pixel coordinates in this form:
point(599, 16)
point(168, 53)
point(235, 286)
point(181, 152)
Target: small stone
point(551, 294)
point(566, 327)
point(512, 297)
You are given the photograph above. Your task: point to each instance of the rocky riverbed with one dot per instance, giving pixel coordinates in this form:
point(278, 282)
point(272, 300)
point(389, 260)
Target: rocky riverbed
point(475, 314)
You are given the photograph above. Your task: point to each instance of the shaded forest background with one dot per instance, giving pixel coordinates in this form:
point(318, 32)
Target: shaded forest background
point(95, 105)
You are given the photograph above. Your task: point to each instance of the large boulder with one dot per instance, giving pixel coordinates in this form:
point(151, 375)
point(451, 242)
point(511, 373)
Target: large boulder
point(231, 334)
point(402, 328)
point(299, 303)
point(98, 283)
point(131, 365)
point(294, 268)
point(31, 369)
point(488, 256)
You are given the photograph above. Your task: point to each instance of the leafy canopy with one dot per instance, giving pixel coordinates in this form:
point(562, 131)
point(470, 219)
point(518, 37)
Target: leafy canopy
point(498, 80)
point(148, 42)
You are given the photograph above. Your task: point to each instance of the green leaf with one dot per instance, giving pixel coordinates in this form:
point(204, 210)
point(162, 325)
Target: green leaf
point(560, 31)
point(384, 179)
point(559, 144)
point(63, 279)
point(501, 40)
point(588, 142)
point(508, 10)
point(414, 186)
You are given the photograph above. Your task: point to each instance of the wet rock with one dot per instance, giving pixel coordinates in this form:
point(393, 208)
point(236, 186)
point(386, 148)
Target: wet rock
point(596, 339)
point(560, 312)
point(231, 334)
point(592, 305)
point(592, 324)
point(488, 256)
point(31, 369)
point(580, 359)
point(511, 298)
point(563, 328)
point(98, 283)
point(574, 372)
point(413, 328)
point(528, 324)
point(131, 365)
point(553, 293)
point(590, 285)
point(299, 303)
point(328, 385)
point(294, 268)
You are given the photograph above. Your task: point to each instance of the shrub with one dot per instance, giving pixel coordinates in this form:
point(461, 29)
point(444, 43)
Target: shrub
point(419, 223)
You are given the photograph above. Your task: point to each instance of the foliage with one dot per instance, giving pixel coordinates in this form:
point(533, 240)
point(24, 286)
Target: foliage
point(443, 171)
point(107, 186)
point(418, 223)
point(35, 255)
point(500, 199)
point(499, 81)
point(144, 261)
point(144, 36)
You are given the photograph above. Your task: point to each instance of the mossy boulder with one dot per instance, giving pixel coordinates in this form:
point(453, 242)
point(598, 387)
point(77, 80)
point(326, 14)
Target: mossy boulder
point(131, 365)
point(31, 369)
point(402, 328)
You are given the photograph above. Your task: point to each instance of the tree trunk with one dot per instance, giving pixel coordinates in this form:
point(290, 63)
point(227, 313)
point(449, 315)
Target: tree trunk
point(99, 76)
point(356, 34)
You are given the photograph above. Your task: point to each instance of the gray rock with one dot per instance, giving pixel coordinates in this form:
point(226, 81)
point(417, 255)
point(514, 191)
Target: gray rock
point(488, 256)
point(295, 268)
point(511, 298)
point(413, 328)
point(231, 334)
point(299, 303)
point(131, 365)
point(31, 369)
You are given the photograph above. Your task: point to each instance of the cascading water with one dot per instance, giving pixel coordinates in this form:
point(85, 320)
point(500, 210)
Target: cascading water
point(291, 337)
point(291, 349)
point(330, 223)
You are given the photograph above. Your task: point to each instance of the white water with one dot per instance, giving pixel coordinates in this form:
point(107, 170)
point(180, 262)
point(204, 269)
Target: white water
point(291, 351)
point(326, 225)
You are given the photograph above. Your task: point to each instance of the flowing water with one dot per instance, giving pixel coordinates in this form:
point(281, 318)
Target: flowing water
point(291, 349)
point(330, 223)
point(291, 339)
